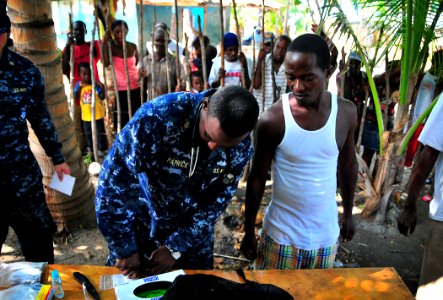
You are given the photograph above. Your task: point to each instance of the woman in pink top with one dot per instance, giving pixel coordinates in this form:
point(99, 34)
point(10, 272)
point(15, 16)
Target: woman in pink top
point(119, 30)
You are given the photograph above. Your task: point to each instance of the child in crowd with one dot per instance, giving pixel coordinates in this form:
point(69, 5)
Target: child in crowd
point(83, 93)
point(233, 61)
point(197, 83)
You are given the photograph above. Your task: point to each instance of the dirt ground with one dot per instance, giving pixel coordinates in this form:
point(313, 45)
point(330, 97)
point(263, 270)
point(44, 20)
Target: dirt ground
point(374, 245)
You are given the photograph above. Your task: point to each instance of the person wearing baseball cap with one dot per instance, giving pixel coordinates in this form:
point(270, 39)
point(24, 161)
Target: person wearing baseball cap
point(232, 71)
point(355, 83)
point(22, 100)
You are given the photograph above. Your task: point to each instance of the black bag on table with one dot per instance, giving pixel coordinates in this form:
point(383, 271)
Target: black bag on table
point(210, 287)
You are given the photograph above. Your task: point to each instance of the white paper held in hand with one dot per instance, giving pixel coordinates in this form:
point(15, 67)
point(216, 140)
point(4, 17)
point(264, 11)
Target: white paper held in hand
point(64, 186)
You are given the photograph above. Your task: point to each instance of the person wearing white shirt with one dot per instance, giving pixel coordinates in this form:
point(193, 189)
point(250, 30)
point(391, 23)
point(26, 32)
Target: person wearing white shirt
point(233, 61)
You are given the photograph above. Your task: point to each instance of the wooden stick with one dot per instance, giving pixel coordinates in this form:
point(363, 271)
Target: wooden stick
point(153, 62)
point(93, 97)
point(168, 72)
point(177, 54)
point(274, 85)
point(251, 88)
point(105, 84)
point(117, 96)
point(232, 257)
point(205, 17)
point(128, 83)
point(102, 54)
point(71, 65)
point(203, 53)
point(263, 62)
point(141, 47)
point(237, 28)
point(285, 28)
point(114, 76)
point(387, 90)
point(187, 67)
point(222, 42)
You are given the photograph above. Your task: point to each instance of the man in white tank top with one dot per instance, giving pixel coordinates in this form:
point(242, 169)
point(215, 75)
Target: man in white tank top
point(308, 134)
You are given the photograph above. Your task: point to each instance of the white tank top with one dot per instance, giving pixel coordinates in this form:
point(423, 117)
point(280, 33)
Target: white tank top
point(303, 210)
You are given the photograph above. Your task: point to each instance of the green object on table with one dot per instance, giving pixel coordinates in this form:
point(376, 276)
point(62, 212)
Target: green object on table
point(151, 294)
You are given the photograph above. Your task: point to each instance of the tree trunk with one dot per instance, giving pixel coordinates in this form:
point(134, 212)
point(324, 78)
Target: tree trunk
point(34, 38)
point(389, 165)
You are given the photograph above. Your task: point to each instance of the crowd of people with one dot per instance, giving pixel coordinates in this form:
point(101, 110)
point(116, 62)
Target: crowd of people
point(175, 165)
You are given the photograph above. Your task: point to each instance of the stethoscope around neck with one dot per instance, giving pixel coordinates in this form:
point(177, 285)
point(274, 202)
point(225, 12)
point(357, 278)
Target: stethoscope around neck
point(228, 177)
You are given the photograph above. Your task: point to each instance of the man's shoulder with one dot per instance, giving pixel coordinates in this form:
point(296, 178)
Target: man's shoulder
point(347, 112)
point(346, 106)
point(18, 59)
point(271, 120)
point(21, 64)
point(169, 104)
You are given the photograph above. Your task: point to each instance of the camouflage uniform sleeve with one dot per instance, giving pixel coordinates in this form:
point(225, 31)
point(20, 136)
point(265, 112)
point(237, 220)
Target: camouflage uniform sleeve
point(203, 221)
point(40, 119)
point(118, 193)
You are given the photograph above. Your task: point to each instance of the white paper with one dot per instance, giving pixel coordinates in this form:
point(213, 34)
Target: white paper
point(66, 186)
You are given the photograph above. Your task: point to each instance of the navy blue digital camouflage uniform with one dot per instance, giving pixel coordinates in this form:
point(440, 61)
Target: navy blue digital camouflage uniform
point(145, 197)
point(21, 191)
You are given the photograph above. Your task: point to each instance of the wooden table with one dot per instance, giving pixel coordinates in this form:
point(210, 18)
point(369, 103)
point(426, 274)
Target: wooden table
point(339, 283)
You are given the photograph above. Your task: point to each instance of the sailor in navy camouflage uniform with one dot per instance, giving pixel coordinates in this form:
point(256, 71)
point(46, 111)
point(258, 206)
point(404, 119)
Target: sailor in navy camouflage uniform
point(23, 204)
point(155, 211)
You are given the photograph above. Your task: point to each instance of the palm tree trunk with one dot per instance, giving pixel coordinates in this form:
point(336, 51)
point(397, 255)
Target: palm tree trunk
point(34, 37)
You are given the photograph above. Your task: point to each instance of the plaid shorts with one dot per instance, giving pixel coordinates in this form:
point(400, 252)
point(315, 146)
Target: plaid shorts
point(271, 255)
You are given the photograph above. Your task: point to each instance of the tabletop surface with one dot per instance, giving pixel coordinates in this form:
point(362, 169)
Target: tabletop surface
point(337, 283)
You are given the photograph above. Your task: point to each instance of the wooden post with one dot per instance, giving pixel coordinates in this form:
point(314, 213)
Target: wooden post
point(251, 88)
point(177, 54)
point(222, 41)
point(71, 66)
point(114, 77)
point(105, 84)
point(205, 17)
point(237, 28)
point(117, 96)
point(93, 97)
point(285, 27)
point(387, 91)
point(187, 67)
point(263, 62)
point(128, 84)
point(141, 48)
point(203, 53)
point(168, 72)
point(153, 62)
point(274, 85)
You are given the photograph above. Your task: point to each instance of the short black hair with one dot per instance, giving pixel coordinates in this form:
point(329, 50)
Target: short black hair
point(81, 23)
point(161, 25)
point(283, 37)
point(393, 65)
point(119, 23)
point(314, 44)
point(196, 41)
point(236, 109)
point(83, 65)
point(211, 52)
point(196, 74)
